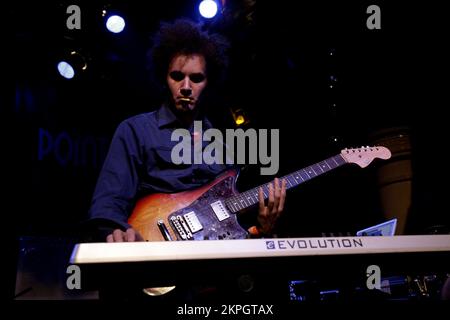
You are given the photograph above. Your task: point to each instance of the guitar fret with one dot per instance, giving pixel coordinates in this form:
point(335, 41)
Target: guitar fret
point(254, 196)
point(308, 176)
point(245, 201)
point(341, 160)
point(322, 166)
point(229, 205)
point(333, 163)
point(318, 166)
point(326, 162)
point(249, 198)
point(333, 158)
point(242, 200)
point(266, 193)
point(288, 180)
point(291, 179)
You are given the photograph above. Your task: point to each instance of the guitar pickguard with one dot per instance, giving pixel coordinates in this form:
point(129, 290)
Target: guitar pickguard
point(207, 218)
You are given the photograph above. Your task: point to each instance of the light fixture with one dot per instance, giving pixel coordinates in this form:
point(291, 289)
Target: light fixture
point(208, 8)
point(72, 65)
point(239, 116)
point(115, 23)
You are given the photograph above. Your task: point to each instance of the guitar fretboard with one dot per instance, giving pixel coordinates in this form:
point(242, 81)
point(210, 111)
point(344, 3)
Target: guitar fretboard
point(251, 197)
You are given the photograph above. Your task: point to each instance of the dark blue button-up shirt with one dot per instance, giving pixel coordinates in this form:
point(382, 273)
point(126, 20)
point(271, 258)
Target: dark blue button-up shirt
point(139, 162)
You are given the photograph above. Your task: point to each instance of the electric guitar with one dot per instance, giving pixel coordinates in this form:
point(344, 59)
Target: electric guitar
point(209, 212)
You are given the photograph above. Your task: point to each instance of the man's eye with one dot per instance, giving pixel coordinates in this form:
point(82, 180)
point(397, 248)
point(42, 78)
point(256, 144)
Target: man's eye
point(176, 75)
point(197, 77)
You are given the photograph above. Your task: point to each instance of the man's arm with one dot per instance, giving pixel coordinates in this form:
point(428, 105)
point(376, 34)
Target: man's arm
point(117, 185)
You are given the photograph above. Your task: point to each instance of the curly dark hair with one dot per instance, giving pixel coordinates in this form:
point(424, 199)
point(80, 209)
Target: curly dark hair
point(186, 37)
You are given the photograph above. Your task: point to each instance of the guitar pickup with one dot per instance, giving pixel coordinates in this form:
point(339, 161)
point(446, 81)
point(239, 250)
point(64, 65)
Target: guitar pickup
point(220, 211)
point(193, 222)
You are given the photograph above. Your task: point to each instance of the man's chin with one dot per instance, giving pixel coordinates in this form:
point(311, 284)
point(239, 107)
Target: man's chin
point(185, 107)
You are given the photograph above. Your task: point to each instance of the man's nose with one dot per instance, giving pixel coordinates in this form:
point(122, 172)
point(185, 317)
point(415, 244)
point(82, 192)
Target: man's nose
point(186, 92)
point(186, 89)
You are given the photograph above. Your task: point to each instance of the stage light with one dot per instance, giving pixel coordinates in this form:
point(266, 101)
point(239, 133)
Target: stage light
point(115, 24)
point(66, 70)
point(239, 120)
point(208, 8)
point(72, 65)
point(239, 117)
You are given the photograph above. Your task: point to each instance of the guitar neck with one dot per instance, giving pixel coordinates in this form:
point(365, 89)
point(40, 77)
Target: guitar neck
point(251, 197)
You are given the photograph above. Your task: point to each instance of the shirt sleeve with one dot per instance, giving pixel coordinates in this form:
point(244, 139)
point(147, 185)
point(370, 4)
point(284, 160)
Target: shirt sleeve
point(116, 188)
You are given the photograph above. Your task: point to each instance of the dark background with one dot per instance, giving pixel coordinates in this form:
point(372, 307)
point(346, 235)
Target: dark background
point(282, 57)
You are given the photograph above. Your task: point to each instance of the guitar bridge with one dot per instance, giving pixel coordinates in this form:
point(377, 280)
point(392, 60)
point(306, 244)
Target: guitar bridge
point(178, 225)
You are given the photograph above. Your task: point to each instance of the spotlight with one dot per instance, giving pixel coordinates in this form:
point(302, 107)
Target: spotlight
point(115, 24)
point(208, 8)
point(72, 65)
point(66, 70)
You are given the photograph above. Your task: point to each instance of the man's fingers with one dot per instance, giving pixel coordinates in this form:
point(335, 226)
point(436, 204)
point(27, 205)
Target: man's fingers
point(277, 193)
point(261, 200)
point(118, 235)
point(282, 196)
point(271, 198)
point(131, 235)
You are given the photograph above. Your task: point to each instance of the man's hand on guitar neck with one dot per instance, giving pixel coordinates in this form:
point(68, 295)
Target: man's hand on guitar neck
point(130, 235)
point(268, 215)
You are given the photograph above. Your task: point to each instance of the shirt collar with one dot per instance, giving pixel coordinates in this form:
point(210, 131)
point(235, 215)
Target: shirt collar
point(167, 117)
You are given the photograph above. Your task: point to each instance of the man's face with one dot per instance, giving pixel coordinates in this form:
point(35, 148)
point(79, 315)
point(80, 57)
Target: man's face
point(186, 78)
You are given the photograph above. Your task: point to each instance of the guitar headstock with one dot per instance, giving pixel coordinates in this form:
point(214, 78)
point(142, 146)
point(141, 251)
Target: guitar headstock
point(364, 156)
